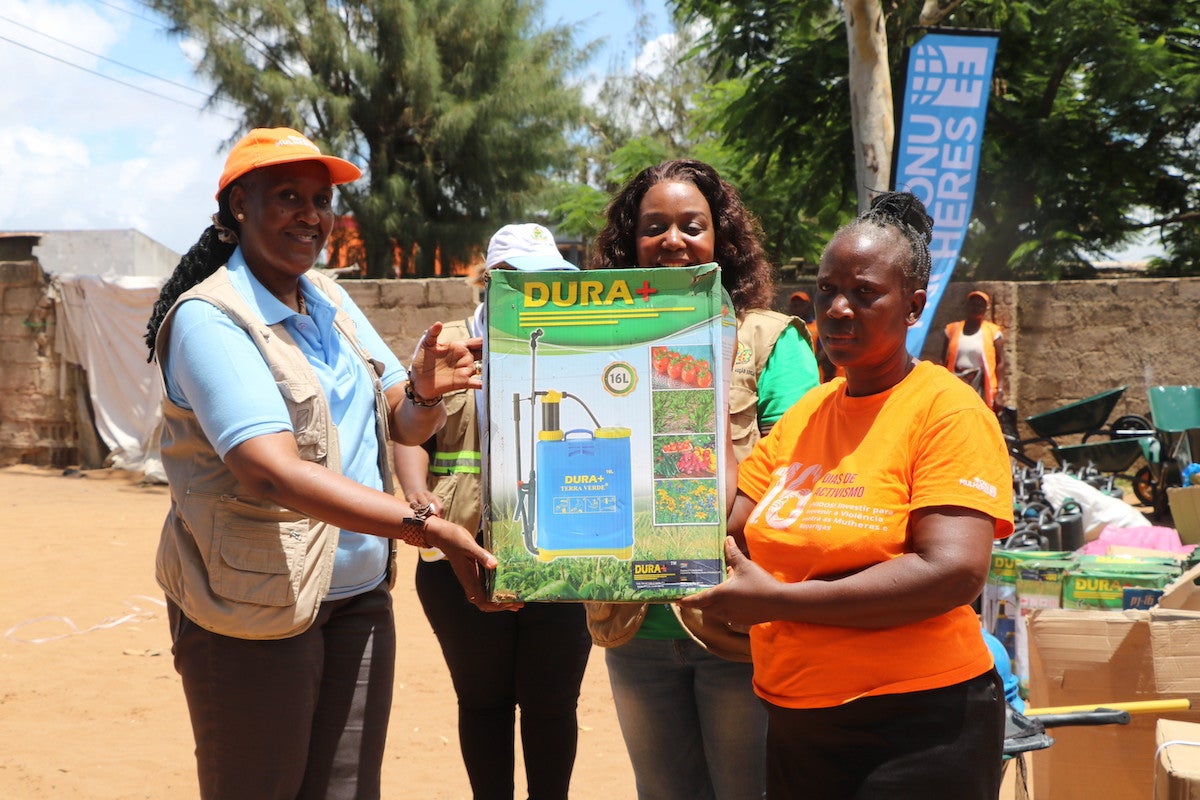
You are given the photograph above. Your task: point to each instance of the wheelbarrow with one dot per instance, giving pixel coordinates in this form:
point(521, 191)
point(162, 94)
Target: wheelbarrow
point(1113, 456)
point(1088, 417)
point(1176, 443)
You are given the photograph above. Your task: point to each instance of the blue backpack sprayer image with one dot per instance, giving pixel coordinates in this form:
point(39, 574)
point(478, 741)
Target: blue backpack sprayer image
point(577, 499)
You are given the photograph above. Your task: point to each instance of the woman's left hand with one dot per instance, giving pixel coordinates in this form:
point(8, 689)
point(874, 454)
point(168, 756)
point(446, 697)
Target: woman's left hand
point(440, 367)
point(747, 596)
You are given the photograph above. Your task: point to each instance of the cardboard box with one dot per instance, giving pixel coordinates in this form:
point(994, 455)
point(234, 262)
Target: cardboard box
point(1185, 511)
point(1177, 768)
point(1089, 657)
point(604, 463)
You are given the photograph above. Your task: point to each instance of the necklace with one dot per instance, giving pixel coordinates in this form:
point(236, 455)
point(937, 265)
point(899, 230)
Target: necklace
point(303, 309)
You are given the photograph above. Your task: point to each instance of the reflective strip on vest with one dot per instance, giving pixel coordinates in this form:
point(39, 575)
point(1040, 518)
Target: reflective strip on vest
point(462, 461)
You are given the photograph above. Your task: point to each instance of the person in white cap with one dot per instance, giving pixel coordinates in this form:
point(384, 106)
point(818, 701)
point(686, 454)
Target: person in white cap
point(534, 658)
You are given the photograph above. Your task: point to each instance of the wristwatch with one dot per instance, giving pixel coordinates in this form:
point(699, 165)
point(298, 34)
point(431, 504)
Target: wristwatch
point(412, 529)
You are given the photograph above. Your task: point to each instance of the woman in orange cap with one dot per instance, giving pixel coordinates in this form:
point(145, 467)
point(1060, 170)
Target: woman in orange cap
point(276, 554)
point(974, 351)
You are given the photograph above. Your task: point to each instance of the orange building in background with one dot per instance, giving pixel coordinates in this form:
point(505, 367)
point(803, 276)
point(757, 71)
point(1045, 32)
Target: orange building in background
point(344, 253)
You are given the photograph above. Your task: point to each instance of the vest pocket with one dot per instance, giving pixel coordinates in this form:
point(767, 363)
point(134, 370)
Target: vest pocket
point(306, 406)
point(258, 554)
point(743, 418)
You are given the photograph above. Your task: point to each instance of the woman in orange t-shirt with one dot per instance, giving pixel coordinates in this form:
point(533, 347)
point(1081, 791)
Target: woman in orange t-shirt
point(868, 514)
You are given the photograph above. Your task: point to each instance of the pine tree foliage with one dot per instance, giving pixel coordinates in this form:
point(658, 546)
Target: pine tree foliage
point(456, 109)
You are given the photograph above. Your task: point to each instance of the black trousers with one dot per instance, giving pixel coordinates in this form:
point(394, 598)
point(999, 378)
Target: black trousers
point(940, 744)
point(533, 659)
point(292, 719)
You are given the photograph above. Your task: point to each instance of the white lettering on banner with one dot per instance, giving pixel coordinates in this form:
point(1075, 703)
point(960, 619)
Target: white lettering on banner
point(949, 75)
point(940, 138)
point(940, 152)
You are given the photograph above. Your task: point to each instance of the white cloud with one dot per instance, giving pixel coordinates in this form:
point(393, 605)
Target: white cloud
point(79, 151)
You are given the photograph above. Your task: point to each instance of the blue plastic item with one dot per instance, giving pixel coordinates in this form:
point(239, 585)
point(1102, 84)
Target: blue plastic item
point(584, 494)
point(1188, 472)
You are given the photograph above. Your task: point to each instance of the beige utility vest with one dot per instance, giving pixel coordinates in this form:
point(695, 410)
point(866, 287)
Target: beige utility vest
point(454, 468)
point(757, 333)
point(234, 563)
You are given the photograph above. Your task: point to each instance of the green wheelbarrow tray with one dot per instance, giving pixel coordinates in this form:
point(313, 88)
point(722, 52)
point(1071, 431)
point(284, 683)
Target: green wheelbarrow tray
point(1174, 408)
point(1115, 455)
point(1084, 415)
point(1175, 411)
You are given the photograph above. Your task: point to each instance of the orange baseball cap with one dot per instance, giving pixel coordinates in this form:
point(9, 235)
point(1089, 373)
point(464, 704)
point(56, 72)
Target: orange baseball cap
point(265, 147)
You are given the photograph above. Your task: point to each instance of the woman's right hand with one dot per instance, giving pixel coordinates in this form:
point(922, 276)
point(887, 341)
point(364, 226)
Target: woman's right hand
point(424, 498)
point(467, 559)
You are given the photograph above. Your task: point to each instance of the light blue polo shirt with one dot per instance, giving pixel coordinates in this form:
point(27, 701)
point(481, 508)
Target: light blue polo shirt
point(213, 368)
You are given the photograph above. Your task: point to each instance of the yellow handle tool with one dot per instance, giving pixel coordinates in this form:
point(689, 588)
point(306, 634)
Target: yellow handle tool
point(1135, 707)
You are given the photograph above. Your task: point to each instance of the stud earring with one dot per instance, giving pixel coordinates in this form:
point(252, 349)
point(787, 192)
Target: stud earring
point(241, 217)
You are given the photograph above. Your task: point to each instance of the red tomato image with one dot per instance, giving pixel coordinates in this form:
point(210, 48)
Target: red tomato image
point(704, 379)
point(688, 374)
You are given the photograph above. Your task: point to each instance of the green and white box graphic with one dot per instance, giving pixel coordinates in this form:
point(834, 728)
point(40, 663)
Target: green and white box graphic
point(604, 457)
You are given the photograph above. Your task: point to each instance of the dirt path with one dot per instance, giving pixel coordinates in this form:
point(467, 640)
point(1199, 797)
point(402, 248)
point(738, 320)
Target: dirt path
point(91, 707)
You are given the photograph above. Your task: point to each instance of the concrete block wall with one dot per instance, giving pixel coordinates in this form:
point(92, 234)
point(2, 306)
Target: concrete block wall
point(1065, 341)
point(37, 414)
point(1068, 340)
point(401, 310)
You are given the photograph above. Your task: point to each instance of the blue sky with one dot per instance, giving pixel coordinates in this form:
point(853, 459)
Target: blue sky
point(127, 150)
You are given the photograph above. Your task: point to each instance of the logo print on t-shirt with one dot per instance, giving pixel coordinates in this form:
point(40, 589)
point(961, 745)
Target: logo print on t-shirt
point(784, 501)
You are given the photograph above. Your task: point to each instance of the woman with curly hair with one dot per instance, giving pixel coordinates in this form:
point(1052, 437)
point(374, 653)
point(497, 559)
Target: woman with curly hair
point(867, 517)
point(691, 722)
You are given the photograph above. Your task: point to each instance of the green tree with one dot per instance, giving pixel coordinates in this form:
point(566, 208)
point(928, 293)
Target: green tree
point(665, 105)
point(1091, 134)
point(455, 108)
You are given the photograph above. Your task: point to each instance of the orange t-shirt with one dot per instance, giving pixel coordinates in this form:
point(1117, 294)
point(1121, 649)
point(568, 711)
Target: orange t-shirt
point(835, 482)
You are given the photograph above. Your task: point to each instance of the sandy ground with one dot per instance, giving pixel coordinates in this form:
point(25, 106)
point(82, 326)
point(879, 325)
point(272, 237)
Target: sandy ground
point(91, 706)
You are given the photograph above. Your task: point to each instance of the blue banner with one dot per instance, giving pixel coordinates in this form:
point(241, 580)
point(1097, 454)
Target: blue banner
point(946, 90)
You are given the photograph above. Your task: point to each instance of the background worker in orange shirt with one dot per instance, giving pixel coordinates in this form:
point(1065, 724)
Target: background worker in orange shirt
point(973, 350)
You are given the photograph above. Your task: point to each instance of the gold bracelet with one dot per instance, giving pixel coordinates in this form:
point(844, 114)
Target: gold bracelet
point(415, 398)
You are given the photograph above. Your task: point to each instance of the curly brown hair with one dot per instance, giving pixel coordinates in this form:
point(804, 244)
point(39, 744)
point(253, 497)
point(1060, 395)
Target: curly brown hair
point(746, 273)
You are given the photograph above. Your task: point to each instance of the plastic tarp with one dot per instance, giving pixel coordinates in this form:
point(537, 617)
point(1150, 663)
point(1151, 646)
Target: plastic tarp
point(101, 327)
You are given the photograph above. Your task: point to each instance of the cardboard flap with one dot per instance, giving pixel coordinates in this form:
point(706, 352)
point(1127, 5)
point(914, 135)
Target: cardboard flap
point(1175, 650)
point(1183, 592)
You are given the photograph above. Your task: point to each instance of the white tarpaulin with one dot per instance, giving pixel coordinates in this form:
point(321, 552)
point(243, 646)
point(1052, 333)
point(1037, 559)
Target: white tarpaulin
point(101, 327)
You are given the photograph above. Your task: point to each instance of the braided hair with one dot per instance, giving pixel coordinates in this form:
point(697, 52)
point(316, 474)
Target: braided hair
point(907, 213)
point(214, 247)
point(746, 273)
